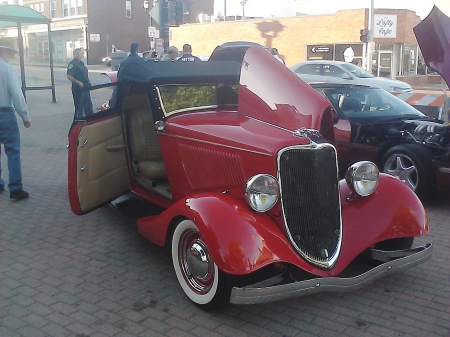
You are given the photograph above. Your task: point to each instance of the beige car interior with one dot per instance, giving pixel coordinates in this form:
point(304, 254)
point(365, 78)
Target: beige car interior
point(101, 175)
point(145, 152)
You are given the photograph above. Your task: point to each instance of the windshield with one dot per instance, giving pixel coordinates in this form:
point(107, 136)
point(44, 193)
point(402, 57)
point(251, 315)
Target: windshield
point(356, 71)
point(181, 98)
point(370, 103)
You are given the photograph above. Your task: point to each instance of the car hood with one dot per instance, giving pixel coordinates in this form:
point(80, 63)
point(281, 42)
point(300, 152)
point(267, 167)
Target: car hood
point(433, 36)
point(270, 92)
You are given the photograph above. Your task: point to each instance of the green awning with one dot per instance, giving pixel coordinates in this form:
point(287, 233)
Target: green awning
point(12, 15)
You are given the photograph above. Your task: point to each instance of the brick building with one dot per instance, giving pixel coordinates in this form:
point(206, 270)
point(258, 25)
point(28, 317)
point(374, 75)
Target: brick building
point(95, 25)
point(318, 37)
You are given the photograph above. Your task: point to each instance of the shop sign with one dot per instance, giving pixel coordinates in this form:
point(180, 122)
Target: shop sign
point(385, 26)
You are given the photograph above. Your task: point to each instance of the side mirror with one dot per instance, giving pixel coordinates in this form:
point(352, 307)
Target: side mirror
point(346, 77)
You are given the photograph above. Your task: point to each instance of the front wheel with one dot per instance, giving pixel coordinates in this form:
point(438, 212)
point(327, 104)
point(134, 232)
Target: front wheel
point(412, 165)
point(198, 275)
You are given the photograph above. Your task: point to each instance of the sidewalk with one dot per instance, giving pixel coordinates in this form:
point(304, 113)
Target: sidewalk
point(94, 275)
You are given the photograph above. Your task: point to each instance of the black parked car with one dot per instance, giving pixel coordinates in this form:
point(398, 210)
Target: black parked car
point(371, 124)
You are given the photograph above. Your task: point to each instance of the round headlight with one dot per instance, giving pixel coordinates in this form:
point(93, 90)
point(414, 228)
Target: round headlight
point(262, 192)
point(362, 177)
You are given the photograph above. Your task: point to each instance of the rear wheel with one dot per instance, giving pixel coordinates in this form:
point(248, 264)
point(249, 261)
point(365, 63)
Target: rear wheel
point(412, 165)
point(198, 275)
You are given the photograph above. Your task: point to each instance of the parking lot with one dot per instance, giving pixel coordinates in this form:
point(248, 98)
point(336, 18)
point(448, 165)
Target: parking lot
point(64, 275)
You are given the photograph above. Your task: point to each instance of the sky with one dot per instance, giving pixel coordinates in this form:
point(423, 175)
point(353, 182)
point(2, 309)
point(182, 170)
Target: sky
point(258, 8)
point(284, 8)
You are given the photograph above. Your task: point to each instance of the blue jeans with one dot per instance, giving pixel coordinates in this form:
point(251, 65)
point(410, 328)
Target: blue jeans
point(10, 138)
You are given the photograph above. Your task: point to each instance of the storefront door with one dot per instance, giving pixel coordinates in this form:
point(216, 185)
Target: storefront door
point(383, 63)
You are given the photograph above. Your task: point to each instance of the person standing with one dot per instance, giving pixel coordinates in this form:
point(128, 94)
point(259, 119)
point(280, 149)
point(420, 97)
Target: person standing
point(274, 52)
point(77, 73)
point(133, 57)
point(172, 54)
point(11, 101)
point(187, 55)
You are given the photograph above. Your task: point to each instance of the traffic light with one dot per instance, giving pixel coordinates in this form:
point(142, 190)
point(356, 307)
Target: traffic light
point(179, 13)
point(176, 11)
point(364, 35)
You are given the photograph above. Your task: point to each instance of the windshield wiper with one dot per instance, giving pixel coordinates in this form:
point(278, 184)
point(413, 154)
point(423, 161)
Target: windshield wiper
point(405, 117)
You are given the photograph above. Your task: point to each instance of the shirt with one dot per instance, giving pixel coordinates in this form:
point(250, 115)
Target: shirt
point(131, 58)
point(10, 92)
point(78, 71)
point(188, 58)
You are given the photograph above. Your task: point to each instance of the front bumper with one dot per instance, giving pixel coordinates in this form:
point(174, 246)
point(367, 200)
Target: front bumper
point(393, 262)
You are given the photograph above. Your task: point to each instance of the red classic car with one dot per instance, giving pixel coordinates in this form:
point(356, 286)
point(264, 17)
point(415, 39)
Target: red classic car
point(228, 164)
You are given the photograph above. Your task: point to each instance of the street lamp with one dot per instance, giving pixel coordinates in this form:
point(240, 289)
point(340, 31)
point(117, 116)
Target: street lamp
point(243, 2)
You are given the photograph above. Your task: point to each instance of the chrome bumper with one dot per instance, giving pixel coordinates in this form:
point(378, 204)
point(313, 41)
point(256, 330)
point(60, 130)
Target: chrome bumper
point(396, 261)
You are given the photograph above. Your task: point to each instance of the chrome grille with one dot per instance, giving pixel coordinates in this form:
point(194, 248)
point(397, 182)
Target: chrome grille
point(310, 201)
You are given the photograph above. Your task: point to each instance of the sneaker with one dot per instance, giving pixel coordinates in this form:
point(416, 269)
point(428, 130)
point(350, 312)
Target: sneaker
point(18, 194)
point(2, 188)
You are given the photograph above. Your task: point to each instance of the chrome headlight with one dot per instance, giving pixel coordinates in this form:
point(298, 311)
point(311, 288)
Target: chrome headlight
point(362, 177)
point(262, 192)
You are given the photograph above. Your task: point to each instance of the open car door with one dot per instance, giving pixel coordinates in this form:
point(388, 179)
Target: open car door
point(97, 163)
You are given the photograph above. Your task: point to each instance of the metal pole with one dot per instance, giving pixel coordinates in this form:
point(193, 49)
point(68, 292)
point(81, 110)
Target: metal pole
point(164, 15)
point(52, 74)
point(21, 54)
point(224, 9)
point(370, 38)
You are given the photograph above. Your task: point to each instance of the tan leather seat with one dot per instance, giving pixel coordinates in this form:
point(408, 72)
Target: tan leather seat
point(144, 146)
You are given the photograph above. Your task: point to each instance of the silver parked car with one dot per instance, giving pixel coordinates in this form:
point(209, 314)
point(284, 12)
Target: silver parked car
point(345, 73)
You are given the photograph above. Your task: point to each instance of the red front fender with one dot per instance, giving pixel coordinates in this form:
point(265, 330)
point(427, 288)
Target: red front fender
point(392, 211)
point(240, 240)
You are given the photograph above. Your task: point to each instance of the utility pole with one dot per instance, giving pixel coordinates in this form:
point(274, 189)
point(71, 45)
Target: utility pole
point(164, 16)
point(243, 2)
point(370, 38)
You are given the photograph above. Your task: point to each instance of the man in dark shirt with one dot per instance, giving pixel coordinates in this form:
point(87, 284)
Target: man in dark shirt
point(133, 57)
point(77, 73)
point(187, 55)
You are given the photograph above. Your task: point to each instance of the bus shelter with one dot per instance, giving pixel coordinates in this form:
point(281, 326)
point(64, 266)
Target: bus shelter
point(13, 16)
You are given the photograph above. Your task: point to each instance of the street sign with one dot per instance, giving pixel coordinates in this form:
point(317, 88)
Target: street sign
point(320, 49)
point(159, 45)
point(153, 32)
point(94, 37)
point(154, 13)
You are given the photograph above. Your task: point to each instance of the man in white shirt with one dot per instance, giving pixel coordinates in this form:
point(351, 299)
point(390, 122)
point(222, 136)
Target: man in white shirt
point(274, 52)
point(11, 101)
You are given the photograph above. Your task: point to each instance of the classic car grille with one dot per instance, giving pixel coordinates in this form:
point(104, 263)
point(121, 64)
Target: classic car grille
point(310, 201)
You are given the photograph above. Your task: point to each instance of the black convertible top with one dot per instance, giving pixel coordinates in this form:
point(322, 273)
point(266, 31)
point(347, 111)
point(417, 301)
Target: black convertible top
point(168, 72)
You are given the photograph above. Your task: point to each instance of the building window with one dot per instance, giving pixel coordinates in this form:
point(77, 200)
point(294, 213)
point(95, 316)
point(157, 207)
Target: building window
point(80, 7)
point(65, 8)
point(53, 9)
point(128, 9)
point(73, 7)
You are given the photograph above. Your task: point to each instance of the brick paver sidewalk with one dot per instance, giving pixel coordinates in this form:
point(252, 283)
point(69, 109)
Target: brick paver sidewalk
point(63, 275)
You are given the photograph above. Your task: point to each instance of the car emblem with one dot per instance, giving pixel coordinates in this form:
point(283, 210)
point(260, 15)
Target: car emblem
point(309, 134)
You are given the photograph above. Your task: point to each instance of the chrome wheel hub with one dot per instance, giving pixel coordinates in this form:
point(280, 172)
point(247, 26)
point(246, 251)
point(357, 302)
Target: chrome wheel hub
point(195, 262)
point(402, 167)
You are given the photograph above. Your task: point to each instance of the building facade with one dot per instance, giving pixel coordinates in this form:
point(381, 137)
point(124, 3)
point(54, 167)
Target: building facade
point(95, 25)
point(331, 36)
